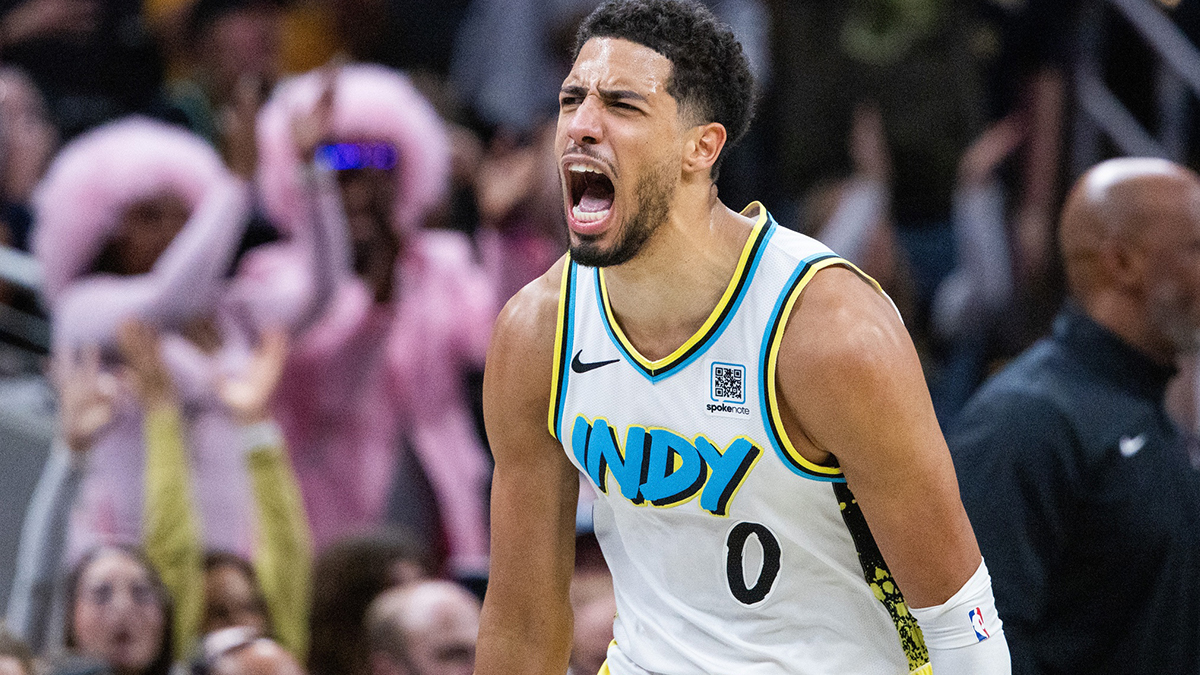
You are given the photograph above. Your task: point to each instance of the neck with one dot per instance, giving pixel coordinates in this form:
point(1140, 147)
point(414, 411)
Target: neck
point(1125, 317)
point(668, 290)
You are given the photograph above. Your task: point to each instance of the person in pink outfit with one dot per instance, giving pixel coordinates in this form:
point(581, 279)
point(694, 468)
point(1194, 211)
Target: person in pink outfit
point(412, 313)
point(138, 219)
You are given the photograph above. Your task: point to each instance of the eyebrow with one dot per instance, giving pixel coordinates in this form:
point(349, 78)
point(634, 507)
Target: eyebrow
point(605, 94)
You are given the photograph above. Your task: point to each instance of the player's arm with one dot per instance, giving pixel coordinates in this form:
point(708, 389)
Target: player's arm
point(853, 392)
point(526, 622)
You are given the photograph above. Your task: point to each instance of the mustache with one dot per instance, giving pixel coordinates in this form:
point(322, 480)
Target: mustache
point(576, 149)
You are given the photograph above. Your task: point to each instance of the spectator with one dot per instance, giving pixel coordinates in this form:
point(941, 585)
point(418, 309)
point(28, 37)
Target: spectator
point(519, 199)
point(172, 538)
point(107, 212)
point(917, 65)
point(232, 597)
point(27, 141)
point(427, 628)
point(15, 657)
point(119, 612)
point(233, 43)
point(347, 576)
point(241, 651)
point(84, 404)
point(853, 216)
point(594, 605)
point(69, 49)
point(227, 591)
point(385, 369)
point(1077, 483)
point(141, 220)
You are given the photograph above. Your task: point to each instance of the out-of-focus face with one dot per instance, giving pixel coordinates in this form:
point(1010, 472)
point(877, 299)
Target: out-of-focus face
point(368, 198)
point(263, 657)
point(118, 616)
point(11, 666)
point(1171, 246)
point(244, 42)
point(619, 148)
point(442, 642)
point(231, 599)
point(147, 227)
point(27, 136)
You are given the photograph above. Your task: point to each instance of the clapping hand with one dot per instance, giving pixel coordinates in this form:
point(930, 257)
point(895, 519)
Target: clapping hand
point(85, 396)
point(248, 396)
point(139, 344)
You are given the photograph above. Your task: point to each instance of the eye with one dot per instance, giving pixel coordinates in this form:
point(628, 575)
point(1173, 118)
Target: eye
point(101, 595)
point(143, 594)
point(565, 101)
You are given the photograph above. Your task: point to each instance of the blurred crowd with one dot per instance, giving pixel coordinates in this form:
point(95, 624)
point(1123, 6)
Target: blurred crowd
point(273, 235)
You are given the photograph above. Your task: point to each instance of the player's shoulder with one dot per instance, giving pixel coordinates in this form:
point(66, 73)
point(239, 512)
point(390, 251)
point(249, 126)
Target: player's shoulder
point(797, 247)
point(527, 324)
point(843, 325)
point(520, 363)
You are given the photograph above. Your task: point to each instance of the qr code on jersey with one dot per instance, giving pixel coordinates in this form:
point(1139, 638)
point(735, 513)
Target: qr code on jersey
point(729, 382)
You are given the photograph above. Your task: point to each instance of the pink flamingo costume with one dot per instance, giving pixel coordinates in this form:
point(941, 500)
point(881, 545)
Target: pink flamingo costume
point(79, 205)
point(370, 374)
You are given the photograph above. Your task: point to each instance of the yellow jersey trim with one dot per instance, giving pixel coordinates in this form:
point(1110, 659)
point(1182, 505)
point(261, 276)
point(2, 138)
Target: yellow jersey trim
point(808, 271)
point(562, 347)
point(737, 284)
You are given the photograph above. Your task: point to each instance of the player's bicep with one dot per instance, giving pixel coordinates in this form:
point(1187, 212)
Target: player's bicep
point(535, 489)
point(855, 384)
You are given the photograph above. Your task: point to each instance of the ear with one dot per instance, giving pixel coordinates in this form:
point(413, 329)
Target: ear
point(703, 147)
point(1125, 264)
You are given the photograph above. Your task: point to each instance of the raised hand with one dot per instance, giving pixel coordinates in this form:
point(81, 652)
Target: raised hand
point(312, 127)
point(85, 396)
point(144, 368)
point(985, 155)
point(868, 144)
point(248, 396)
point(239, 122)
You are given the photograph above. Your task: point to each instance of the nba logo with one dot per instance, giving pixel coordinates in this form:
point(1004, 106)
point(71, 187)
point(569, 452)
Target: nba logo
point(977, 623)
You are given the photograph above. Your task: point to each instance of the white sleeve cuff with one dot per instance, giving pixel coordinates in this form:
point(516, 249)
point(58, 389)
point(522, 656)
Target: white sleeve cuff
point(261, 435)
point(967, 618)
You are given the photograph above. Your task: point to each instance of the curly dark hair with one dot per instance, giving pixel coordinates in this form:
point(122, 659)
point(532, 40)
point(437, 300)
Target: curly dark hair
point(710, 76)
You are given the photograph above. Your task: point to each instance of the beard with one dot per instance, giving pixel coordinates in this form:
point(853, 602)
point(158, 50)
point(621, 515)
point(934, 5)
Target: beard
point(1170, 314)
point(654, 191)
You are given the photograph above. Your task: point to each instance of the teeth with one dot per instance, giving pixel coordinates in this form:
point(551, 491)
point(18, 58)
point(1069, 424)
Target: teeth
point(583, 168)
point(588, 216)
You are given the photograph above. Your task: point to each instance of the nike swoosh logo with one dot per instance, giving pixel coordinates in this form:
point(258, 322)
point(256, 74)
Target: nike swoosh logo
point(581, 367)
point(1130, 446)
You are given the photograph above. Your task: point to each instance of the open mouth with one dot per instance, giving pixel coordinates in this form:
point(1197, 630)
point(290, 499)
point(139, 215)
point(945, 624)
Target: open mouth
point(591, 192)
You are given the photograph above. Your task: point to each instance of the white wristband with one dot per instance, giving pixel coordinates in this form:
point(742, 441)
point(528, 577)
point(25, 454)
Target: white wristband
point(967, 618)
point(964, 634)
point(261, 435)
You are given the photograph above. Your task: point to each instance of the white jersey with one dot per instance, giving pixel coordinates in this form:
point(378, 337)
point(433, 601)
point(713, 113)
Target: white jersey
point(730, 552)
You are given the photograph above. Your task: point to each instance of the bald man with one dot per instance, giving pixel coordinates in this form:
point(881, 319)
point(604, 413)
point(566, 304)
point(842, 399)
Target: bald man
point(257, 657)
point(427, 628)
point(1080, 489)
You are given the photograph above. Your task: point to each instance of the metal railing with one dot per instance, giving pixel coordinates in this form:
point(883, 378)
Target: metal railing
point(20, 269)
point(1101, 114)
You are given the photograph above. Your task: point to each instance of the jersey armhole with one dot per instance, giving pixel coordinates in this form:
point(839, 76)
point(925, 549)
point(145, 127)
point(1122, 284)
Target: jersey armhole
point(563, 339)
point(772, 417)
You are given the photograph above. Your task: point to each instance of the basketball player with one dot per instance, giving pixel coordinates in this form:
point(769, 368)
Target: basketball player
point(773, 492)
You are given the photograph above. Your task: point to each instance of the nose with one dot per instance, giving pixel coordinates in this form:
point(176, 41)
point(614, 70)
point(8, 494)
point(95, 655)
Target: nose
point(122, 602)
point(586, 126)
